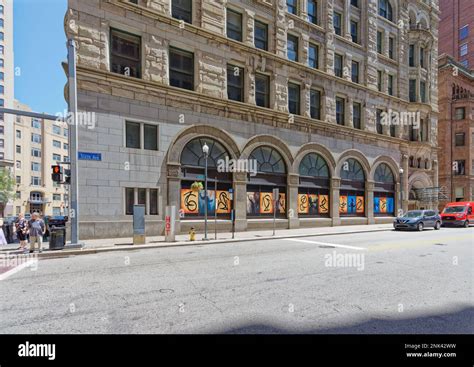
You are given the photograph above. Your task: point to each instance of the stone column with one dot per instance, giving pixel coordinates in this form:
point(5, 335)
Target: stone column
point(349, 112)
point(334, 201)
point(240, 201)
point(303, 9)
point(347, 68)
point(250, 96)
point(327, 8)
point(292, 201)
point(347, 20)
point(307, 99)
point(280, 29)
point(369, 195)
point(249, 31)
point(371, 61)
point(174, 192)
point(304, 53)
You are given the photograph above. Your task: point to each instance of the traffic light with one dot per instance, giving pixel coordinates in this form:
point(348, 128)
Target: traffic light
point(57, 175)
point(67, 176)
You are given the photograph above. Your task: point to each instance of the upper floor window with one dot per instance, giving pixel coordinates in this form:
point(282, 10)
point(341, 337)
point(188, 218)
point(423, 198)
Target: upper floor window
point(340, 111)
point(391, 48)
point(234, 25)
point(262, 90)
point(235, 83)
point(355, 3)
point(125, 53)
point(292, 6)
point(385, 9)
point(379, 42)
point(337, 21)
point(315, 104)
point(313, 11)
point(261, 35)
point(412, 90)
point(313, 56)
point(464, 32)
point(36, 138)
point(2, 36)
point(422, 57)
point(460, 113)
point(294, 98)
point(463, 50)
point(35, 123)
point(460, 139)
point(390, 85)
point(182, 10)
point(2, 9)
point(355, 72)
point(292, 47)
point(378, 122)
point(355, 31)
point(411, 56)
point(181, 69)
point(356, 115)
point(338, 60)
point(1, 23)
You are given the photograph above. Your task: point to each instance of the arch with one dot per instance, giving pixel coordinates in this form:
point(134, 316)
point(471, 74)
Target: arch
point(383, 173)
point(390, 162)
point(195, 131)
point(419, 180)
point(269, 160)
point(193, 155)
point(314, 165)
point(387, 9)
point(317, 149)
point(271, 141)
point(357, 155)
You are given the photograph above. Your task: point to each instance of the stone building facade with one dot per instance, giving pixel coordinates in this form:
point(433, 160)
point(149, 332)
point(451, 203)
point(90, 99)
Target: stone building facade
point(456, 130)
point(302, 87)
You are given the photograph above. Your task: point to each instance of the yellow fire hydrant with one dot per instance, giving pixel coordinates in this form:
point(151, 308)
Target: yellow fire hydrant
point(192, 234)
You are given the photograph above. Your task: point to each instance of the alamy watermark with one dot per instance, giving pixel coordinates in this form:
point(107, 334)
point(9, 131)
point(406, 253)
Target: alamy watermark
point(347, 260)
point(230, 165)
point(83, 118)
point(396, 118)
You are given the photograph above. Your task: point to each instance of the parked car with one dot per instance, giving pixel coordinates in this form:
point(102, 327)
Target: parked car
point(418, 220)
point(458, 214)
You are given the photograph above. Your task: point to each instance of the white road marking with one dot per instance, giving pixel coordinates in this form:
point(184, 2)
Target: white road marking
point(17, 269)
point(325, 244)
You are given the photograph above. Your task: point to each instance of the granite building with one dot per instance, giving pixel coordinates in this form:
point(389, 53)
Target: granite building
point(316, 92)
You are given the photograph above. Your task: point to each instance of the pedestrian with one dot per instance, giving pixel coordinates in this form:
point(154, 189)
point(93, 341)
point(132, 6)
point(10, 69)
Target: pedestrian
point(36, 229)
point(3, 240)
point(21, 226)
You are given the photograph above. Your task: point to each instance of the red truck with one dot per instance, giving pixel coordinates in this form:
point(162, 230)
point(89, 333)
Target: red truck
point(458, 214)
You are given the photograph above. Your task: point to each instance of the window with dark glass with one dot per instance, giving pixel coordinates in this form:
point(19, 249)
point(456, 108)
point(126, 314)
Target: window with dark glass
point(150, 136)
point(235, 83)
point(352, 189)
point(379, 42)
point(292, 6)
point(315, 104)
point(391, 48)
point(182, 10)
point(313, 190)
point(384, 191)
point(132, 133)
point(129, 201)
point(261, 35)
point(385, 9)
point(460, 113)
point(356, 115)
point(355, 72)
point(412, 90)
point(464, 32)
point(355, 31)
point(390, 85)
point(292, 47)
point(411, 56)
point(153, 202)
point(423, 91)
point(379, 80)
point(181, 69)
point(313, 56)
point(340, 111)
point(422, 57)
point(262, 87)
point(313, 11)
point(234, 25)
point(460, 139)
point(294, 98)
point(355, 3)
point(378, 122)
point(337, 21)
point(338, 65)
point(125, 53)
point(459, 167)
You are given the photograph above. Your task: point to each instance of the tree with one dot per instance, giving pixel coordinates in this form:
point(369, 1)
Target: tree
point(7, 188)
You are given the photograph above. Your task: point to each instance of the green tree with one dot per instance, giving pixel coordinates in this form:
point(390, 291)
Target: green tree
point(7, 188)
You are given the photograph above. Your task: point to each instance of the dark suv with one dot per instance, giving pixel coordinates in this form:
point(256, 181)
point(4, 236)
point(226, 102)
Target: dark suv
point(418, 220)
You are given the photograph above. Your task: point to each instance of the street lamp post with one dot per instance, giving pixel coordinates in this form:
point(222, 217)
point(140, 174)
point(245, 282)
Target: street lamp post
point(205, 150)
point(401, 190)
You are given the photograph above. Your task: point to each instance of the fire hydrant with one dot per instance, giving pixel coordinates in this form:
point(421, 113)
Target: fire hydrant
point(192, 234)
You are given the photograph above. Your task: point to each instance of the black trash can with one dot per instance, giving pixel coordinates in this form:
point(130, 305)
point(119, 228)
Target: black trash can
point(57, 233)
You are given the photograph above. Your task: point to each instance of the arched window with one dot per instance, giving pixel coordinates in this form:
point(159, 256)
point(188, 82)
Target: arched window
point(385, 9)
point(270, 175)
point(313, 191)
point(219, 178)
point(352, 192)
point(384, 191)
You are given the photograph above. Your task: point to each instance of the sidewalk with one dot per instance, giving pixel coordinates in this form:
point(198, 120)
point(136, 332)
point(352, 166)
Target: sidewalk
point(126, 244)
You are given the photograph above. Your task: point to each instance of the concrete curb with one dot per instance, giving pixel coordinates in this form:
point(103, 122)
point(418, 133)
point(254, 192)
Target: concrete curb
point(89, 251)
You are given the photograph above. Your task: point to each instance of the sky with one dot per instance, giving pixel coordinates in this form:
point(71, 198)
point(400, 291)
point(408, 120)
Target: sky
point(40, 47)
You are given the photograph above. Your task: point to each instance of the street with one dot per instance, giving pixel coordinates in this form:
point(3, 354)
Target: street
point(382, 282)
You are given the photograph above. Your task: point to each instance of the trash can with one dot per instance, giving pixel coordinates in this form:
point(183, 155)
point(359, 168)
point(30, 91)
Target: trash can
point(57, 233)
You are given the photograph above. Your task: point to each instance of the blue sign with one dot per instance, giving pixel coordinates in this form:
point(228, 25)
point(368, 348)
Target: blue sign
point(85, 156)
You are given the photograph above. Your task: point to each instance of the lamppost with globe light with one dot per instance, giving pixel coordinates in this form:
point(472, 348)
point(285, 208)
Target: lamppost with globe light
point(205, 150)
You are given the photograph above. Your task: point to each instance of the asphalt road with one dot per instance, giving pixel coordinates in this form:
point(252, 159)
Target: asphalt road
point(383, 282)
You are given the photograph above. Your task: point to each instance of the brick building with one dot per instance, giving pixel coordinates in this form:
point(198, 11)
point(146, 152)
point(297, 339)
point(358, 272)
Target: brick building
point(301, 87)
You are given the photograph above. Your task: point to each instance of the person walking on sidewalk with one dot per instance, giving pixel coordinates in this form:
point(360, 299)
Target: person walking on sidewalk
point(21, 227)
point(3, 240)
point(36, 229)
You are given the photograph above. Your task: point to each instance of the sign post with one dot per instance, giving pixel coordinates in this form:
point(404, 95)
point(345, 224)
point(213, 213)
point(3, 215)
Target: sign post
point(276, 196)
point(170, 223)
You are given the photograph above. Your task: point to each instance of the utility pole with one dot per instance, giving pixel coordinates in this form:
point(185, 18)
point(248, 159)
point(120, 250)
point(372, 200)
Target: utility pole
point(72, 104)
